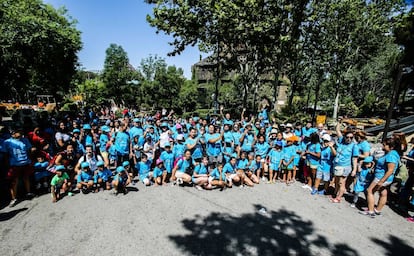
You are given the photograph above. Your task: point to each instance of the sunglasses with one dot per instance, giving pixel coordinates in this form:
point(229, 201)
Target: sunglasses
point(349, 137)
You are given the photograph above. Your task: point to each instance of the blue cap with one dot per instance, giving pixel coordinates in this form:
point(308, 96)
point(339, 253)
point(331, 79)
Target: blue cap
point(87, 127)
point(136, 120)
point(368, 159)
point(100, 163)
point(167, 144)
point(84, 165)
point(76, 131)
point(59, 168)
point(164, 124)
point(105, 128)
point(196, 118)
point(120, 169)
point(125, 163)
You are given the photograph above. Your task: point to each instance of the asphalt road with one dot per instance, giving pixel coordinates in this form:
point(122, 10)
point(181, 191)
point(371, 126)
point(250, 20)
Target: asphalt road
point(184, 221)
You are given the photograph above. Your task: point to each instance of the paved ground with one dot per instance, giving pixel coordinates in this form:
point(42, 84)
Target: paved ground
point(185, 221)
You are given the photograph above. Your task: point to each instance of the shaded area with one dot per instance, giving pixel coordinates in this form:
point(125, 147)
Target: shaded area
point(279, 232)
point(394, 246)
point(8, 215)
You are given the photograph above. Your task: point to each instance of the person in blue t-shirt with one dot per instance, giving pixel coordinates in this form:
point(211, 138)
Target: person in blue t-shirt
point(85, 178)
point(144, 170)
point(41, 174)
point(364, 177)
point(247, 138)
point(383, 177)
point(243, 167)
point(183, 170)
point(167, 157)
point(17, 150)
point(313, 156)
point(122, 144)
point(323, 172)
point(216, 178)
point(343, 164)
point(213, 143)
point(288, 156)
point(230, 171)
point(102, 177)
point(159, 172)
point(274, 158)
point(121, 181)
point(200, 174)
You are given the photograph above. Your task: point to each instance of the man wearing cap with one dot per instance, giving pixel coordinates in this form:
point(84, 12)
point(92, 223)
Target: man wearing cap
point(136, 129)
point(17, 149)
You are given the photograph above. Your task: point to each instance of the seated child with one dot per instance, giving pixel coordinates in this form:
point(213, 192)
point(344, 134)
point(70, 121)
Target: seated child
point(85, 178)
point(60, 182)
point(159, 172)
point(121, 180)
point(41, 174)
point(216, 178)
point(144, 170)
point(200, 174)
point(102, 178)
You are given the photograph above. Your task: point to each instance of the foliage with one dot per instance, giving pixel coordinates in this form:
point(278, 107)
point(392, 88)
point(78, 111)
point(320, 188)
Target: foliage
point(38, 49)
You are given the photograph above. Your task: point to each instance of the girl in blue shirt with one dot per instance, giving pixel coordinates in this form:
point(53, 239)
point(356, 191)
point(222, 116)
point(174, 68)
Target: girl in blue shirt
point(159, 172)
point(216, 178)
point(183, 170)
point(200, 174)
point(313, 156)
point(323, 172)
point(274, 157)
point(243, 165)
point(384, 175)
point(230, 171)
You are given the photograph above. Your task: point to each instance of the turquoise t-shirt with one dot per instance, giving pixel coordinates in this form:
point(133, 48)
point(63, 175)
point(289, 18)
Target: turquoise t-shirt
point(381, 167)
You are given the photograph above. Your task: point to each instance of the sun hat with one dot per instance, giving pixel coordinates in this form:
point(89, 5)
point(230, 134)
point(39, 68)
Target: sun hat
point(159, 161)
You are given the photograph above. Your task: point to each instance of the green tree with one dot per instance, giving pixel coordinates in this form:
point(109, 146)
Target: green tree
point(38, 49)
point(119, 76)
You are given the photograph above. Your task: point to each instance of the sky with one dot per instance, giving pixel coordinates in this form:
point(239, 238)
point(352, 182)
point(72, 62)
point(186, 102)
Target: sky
point(122, 22)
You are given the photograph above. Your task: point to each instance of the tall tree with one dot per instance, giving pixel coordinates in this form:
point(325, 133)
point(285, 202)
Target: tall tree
point(38, 49)
point(118, 75)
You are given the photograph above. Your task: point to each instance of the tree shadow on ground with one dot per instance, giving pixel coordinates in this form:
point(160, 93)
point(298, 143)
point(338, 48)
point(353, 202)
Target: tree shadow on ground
point(8, 215)
point(279, 232)
point(395, 246)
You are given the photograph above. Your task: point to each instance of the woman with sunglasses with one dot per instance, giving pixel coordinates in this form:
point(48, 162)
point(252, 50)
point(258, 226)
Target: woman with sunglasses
point(346, 151)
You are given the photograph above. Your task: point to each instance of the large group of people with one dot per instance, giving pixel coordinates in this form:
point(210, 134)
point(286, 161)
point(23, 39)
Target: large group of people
point(98, 151)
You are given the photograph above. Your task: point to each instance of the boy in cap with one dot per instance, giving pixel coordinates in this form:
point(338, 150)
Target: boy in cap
point(363, 178)
point(102, 178)
point(121, 180)
point(85, 178)
point(159, 172)
point(60, 182)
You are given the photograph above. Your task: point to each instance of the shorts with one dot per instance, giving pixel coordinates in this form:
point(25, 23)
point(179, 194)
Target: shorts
point(157, 173)
point(385, 184)
point(231, 176)
point(325, 176)
point(342, 171)
point(19, 171)
point(215, 159)
point(179, 174)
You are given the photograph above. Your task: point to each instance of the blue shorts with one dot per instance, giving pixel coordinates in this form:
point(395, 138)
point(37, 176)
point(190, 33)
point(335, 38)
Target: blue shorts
point(325, 176)
point(274, 167)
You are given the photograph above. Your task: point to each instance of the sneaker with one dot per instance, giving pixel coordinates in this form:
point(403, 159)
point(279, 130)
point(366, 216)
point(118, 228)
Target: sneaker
point(13, 203)
point(352, 205)
point(45, 184)
point(368, 214)
point(410, 219)
point(378, 213)
point(30, 195)
point(180, 181)
point(306, 186)
point(314, 191)
point(198, 187)
point(322, 192)
point(38, 186)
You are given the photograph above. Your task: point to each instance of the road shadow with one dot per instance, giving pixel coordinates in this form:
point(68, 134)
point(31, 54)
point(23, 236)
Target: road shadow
point(394, 246)
point(279, 232)
point(8, 215)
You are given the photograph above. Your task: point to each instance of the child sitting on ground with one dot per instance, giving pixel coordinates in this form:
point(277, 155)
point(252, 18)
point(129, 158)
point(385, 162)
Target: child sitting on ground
point(121, 180)
point(102, 178)
point(85, 178)
point(41, 174)
point(159, 172)
point(60, 183)
point(144, 170)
